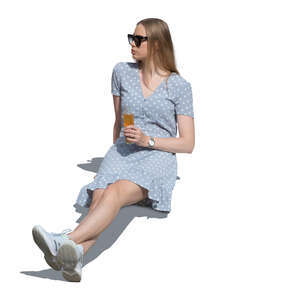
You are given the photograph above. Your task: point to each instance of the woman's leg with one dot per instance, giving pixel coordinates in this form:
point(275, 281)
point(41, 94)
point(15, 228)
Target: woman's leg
point(115, 196)
point(97, 195)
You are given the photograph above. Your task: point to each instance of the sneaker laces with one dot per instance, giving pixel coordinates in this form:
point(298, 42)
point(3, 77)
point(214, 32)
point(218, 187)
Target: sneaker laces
point(63, 233)
point(66, 231)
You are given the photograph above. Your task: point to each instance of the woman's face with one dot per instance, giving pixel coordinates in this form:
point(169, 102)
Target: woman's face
point(139, 53)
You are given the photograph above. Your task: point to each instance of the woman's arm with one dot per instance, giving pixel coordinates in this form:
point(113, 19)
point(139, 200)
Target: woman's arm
point(117, 124)
point(116, 132)
point(184, 143)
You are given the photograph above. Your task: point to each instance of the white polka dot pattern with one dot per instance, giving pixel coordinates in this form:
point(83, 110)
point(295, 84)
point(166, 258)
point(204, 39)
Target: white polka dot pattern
point(152, 169)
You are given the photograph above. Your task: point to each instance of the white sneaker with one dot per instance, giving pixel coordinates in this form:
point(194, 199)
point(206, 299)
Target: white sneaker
point(70, 256)
point(49, 243)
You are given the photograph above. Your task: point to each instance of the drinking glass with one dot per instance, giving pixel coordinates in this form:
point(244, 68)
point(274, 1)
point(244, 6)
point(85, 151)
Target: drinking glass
point(128, 120)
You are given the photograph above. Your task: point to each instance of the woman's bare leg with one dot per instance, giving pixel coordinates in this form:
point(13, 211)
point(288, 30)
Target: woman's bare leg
point(115, 196)
point(97, 220)
point(97, 196)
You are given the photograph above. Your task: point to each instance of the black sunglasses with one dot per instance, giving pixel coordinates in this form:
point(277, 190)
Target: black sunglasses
point(138, 39)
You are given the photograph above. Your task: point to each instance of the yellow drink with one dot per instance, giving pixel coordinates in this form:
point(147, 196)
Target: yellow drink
point(128, 120)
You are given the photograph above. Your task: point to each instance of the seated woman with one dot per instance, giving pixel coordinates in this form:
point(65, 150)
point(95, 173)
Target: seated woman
point(141, 164)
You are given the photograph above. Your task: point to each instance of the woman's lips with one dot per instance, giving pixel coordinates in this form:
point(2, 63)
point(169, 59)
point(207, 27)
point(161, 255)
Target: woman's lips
point(132, 51)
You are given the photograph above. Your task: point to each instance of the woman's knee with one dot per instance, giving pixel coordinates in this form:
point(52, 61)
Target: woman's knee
point(126, 192)
point(111, 195)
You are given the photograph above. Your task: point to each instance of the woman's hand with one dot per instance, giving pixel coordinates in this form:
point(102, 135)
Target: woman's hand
point(135, 135)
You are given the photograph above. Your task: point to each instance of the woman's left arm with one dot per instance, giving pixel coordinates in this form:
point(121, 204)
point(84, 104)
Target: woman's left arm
point(185, 143)
point(185, 118)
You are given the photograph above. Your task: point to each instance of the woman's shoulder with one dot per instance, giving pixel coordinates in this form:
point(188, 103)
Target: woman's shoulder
point(179, 81)
point(177, 86)
point(123, 65)
point(124, 69)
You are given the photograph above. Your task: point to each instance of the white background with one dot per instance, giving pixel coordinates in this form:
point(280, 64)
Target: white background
point(233, 232)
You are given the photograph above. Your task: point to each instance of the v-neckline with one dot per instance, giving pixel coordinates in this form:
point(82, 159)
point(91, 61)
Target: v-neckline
point(141, 87)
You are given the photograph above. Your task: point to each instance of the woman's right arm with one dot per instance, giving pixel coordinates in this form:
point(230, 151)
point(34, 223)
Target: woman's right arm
point(117, 124)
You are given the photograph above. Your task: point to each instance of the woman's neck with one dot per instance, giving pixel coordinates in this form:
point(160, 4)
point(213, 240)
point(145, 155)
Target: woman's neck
point(161, 73)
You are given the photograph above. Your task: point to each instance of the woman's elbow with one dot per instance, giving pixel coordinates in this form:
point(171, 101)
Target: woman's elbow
point(190, 150)
point(191, 146)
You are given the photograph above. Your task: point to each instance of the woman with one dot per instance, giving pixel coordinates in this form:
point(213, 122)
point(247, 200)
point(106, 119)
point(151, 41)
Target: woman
point(141, 165)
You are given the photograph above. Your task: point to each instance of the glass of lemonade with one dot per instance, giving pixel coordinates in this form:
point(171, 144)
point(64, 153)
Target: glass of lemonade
point(128, 120)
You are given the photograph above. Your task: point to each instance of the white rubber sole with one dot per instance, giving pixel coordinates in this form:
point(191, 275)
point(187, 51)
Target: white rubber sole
point(67, 257)
point(40, 238)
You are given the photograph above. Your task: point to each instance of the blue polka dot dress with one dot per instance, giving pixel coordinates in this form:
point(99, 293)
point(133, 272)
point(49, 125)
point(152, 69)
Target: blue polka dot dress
point(156, 115)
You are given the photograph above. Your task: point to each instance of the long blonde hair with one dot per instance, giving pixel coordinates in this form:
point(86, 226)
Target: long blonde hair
point(163, 56)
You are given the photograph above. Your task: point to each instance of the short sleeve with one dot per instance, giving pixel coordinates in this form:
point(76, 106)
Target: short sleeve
point(115, 81)
point(184, 100)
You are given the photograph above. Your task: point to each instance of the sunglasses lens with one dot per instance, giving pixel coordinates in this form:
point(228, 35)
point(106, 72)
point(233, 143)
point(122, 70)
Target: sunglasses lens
point(130, 39)
point(136, 40)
